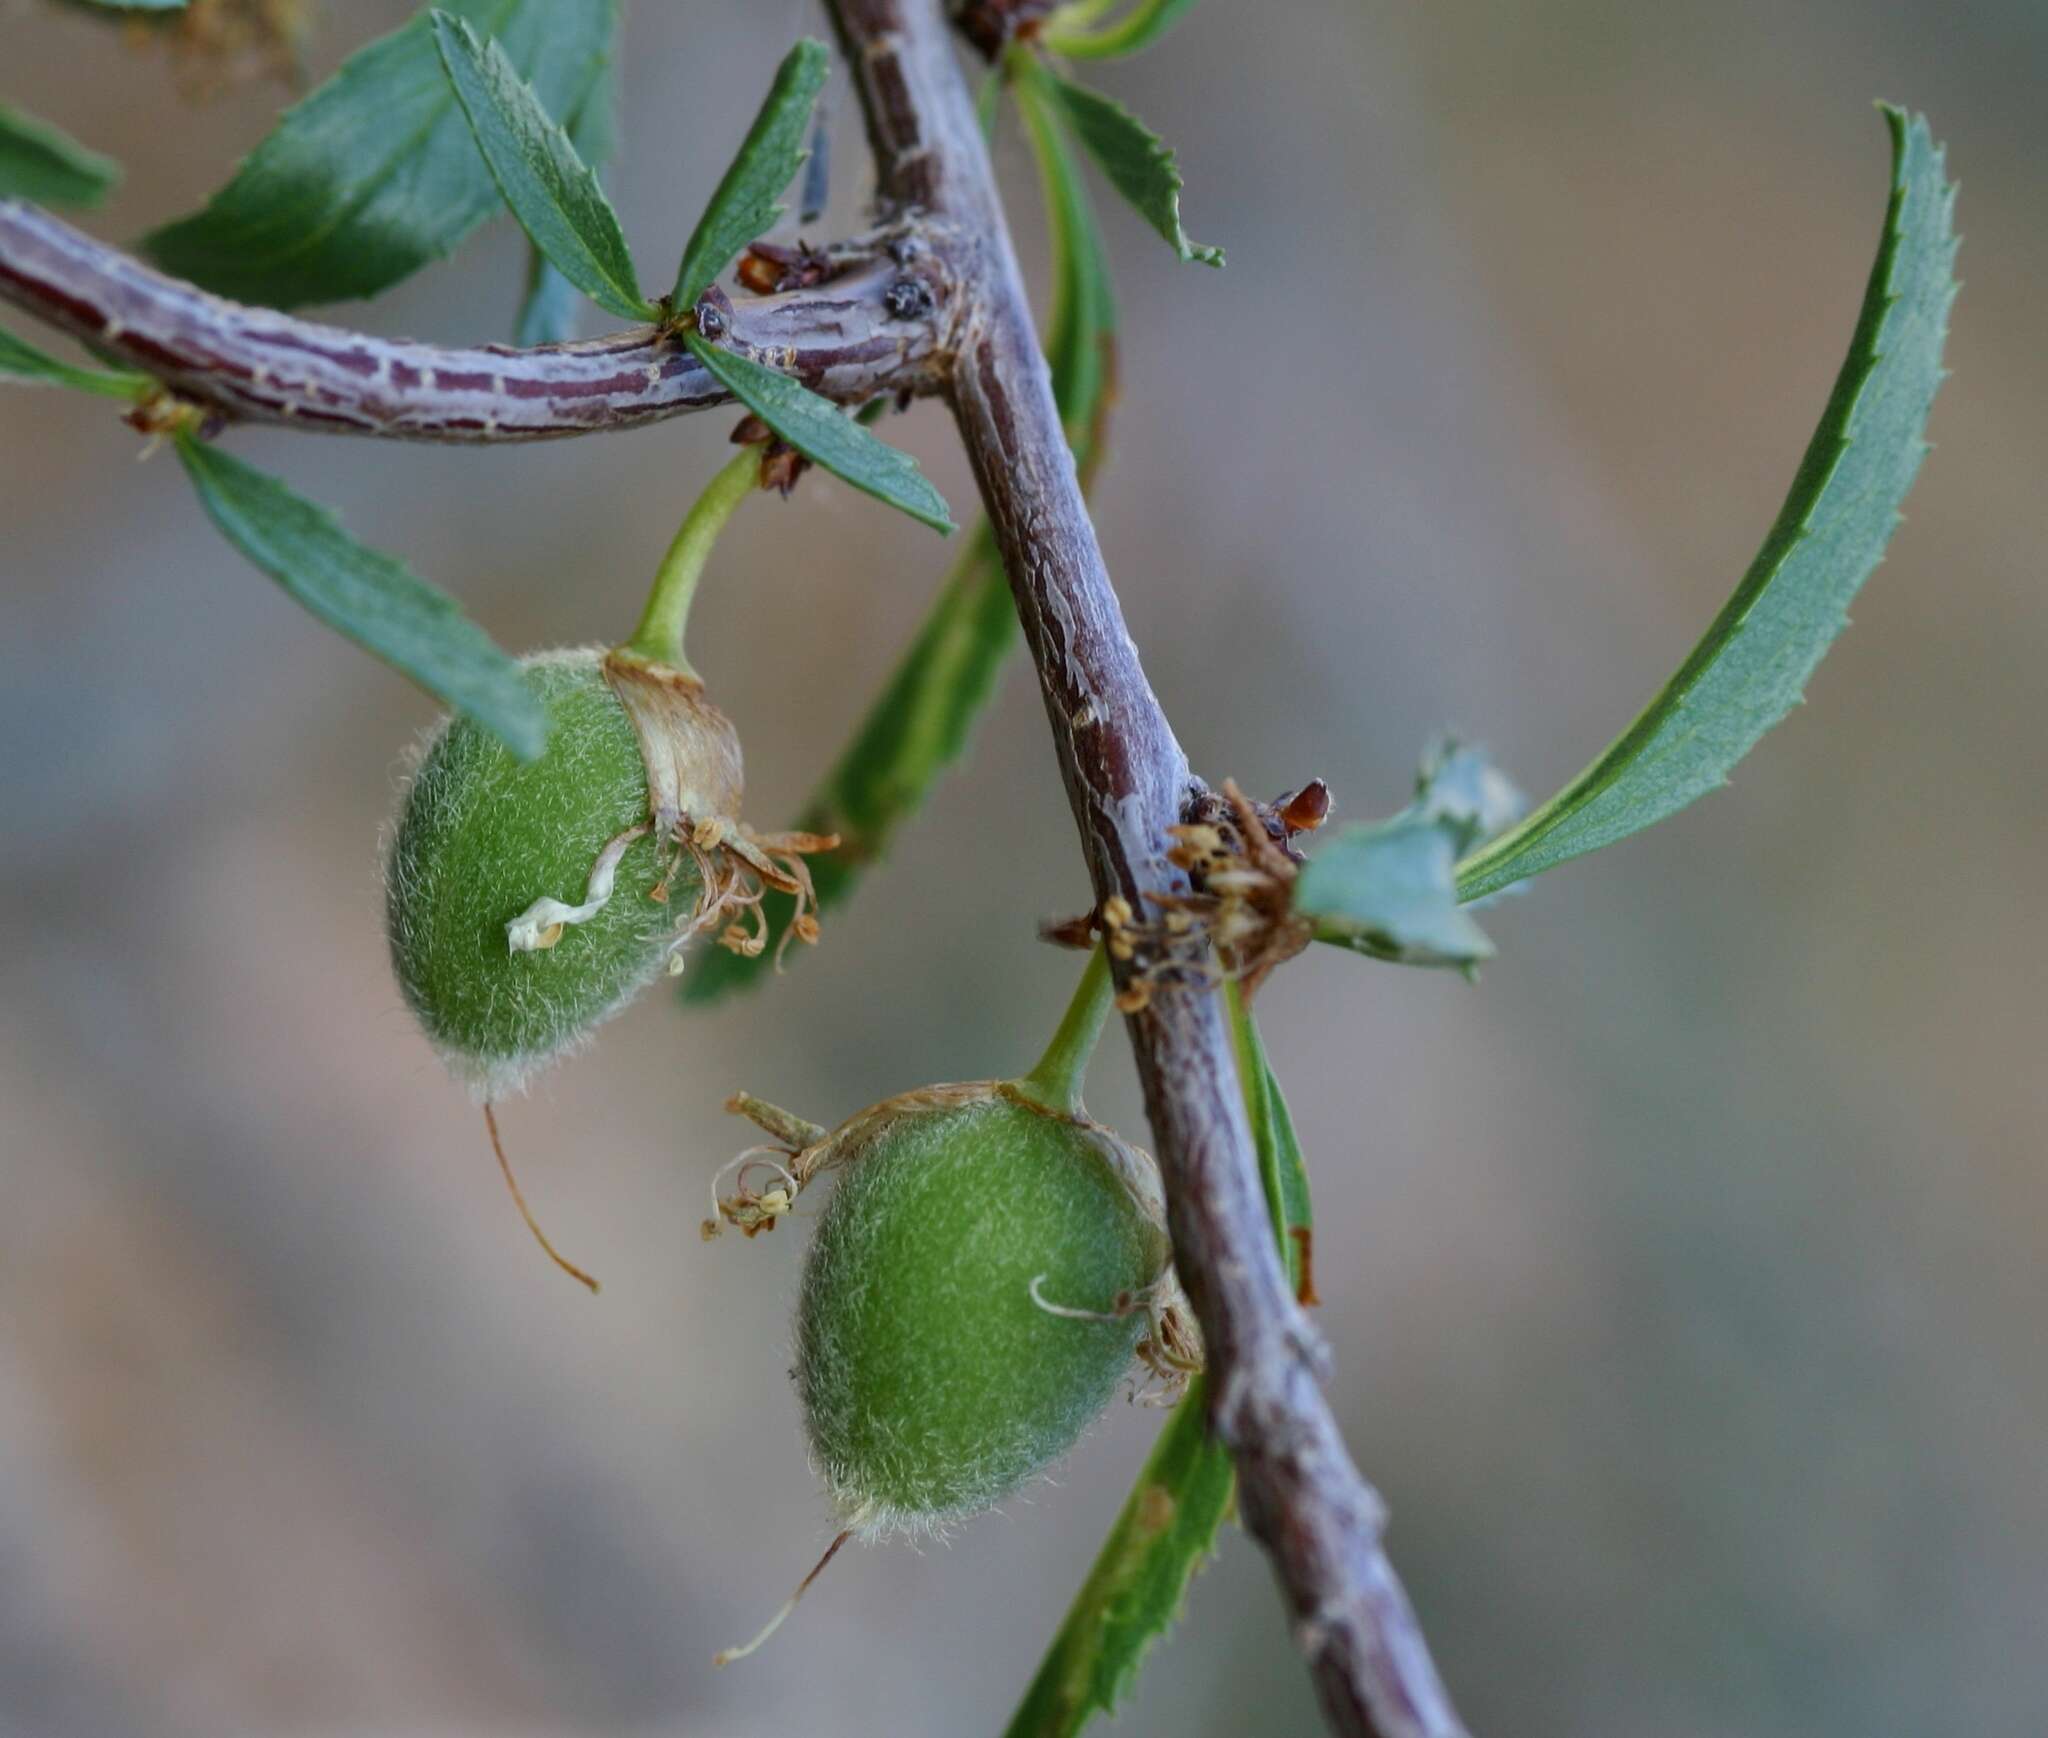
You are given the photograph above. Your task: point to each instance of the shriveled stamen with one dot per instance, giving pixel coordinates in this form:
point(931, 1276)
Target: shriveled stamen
point(752, 1210)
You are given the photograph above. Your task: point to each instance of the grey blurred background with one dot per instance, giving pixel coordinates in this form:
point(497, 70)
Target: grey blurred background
point(1686, 1277)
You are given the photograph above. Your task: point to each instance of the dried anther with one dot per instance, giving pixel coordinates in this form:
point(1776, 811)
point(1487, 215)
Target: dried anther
point(1241, 865)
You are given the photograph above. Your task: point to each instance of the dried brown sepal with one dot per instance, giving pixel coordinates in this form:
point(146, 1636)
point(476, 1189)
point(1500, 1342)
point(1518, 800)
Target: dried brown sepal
point(694, 785)
point(781, 466)
point(770, 268)
point(1305, 810)
point(691, 751)
point(1074, 932)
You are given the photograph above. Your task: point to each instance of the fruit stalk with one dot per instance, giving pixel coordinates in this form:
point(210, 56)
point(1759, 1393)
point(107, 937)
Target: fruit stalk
point(659, 637)
point(1055, 1081)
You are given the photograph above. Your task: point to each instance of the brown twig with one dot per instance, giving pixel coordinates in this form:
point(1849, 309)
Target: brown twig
point(851, 337)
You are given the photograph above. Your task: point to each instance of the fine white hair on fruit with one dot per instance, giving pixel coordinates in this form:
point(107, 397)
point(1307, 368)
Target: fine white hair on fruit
point(499, 1073)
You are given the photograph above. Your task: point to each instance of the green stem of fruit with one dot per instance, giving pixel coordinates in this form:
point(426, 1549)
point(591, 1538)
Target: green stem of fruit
point(659, 636)
point(1056, 1081)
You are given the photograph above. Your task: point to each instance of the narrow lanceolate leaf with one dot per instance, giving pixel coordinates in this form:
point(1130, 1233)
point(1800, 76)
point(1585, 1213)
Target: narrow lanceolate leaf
point(140, 5)
point(1137, 30)
point(1138, 165)
point(42, 162)
point(824, 434)
point(1390, 888)
point(375, 174)
point(749, 198)
point(551, 190)
point(1167, 1530)
point(23, 364)
point(1756, 657)
point(549, 309)
point(1282, 1167)
point(1080, 341)
point(374, 599)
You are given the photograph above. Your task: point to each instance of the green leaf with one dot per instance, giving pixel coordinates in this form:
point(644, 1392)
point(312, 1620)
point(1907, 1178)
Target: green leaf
point(25, 363)
point(139, 5)
point(1283, 1169)
point(917, 727)
point(1080, 341)
point(549, 309)
point(1138, 165)
point(824, 434)
point(1389, 888)
point(1753, 664)
point(748, 199)
point(551, 190)
point(1135, 1590)
point(42, 162)
point(375, 600)
point(1140, 27)
point(376, 174)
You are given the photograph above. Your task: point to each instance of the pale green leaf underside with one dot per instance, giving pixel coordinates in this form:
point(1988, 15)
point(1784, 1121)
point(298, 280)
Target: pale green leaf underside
point(375, 173)
point(1138, 165)
point(1753, 664)
point(551, 190)
point(1390, 888)
point(375, 600)
point(748, 199)
point(45, 163)
point(25, 364)
point(819, 430)
point(1139, 1581)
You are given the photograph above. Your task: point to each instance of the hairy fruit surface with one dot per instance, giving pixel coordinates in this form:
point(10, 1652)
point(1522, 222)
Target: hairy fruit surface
point(975, 1291)
point(481, 836)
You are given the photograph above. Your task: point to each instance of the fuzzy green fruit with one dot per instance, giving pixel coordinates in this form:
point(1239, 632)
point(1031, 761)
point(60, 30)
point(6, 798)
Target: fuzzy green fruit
point(481, 836)
point(974, 1293)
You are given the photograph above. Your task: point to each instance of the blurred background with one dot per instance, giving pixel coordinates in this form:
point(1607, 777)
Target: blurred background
point(1686, 1277)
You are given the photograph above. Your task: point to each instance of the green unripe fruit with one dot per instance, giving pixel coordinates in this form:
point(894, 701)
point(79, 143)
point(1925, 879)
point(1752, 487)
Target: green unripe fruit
point(481, 836)
point(974, 1293)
